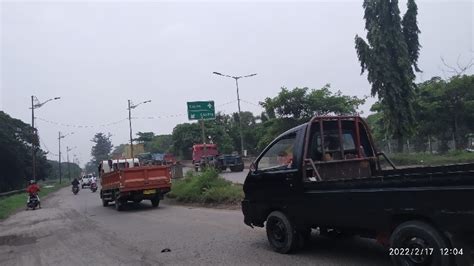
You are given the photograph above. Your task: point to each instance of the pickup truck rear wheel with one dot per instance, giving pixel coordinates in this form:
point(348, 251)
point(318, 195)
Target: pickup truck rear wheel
point(281, 233)
point(413, 236)
point(155, 202)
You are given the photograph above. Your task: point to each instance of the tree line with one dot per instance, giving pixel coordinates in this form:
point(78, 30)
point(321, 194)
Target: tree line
point(443, 111)
point(17, 140)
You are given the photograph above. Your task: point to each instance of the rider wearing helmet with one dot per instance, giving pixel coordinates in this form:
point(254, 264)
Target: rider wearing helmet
point(32, 191)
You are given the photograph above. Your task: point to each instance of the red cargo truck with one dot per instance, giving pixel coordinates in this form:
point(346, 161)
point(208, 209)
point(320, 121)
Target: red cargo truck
point(125, 180)
point(201, 151)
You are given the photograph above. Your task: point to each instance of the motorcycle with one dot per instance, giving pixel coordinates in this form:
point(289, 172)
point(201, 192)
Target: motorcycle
point(33, 202)
point(93, 186)
point(75, 189)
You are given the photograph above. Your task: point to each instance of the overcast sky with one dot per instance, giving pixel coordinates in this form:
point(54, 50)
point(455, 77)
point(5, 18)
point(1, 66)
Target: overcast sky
point(96, 55)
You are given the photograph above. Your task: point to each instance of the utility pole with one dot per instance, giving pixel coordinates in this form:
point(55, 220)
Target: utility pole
point(238, 105)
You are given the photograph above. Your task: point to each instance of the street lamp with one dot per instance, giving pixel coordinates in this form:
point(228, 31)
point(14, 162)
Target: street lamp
point(59, 140)
point(238, 104)
point(35, 104)
point(130, 107)
point(68, 166)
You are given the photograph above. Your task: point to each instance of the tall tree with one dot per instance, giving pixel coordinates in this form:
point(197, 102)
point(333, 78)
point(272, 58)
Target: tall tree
point(101, 149)
point(16, 141)
point(390, 58)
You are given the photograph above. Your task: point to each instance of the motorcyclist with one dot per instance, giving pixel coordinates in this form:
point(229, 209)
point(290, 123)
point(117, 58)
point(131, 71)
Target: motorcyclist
point(93, 179)
point(32, 191)
point(75, 182)
point(93, 183)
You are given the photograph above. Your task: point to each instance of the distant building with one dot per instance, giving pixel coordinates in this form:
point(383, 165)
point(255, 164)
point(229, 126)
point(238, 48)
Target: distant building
point(137, 149)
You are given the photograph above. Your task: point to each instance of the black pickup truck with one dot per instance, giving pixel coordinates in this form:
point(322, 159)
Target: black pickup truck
point(327, 175)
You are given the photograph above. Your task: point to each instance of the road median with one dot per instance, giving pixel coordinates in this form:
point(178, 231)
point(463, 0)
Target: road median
point(206, 188)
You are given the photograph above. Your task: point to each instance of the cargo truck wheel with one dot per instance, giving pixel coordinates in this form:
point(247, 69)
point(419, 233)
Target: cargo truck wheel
point(155, 202)
point(281, 233)
point(420, 244)
point(119, 204)
point(105, 203)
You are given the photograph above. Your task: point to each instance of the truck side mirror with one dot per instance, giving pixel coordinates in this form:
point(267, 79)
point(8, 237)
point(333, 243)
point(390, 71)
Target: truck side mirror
point(253, 167)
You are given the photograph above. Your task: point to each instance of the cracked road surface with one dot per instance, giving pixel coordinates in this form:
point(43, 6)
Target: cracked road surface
point(77, 230)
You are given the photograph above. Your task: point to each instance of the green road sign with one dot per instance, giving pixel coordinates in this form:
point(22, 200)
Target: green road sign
point(201, 110)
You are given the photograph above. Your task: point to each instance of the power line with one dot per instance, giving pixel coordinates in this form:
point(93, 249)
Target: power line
point(220, 105)
point(81, 126)
point(245, 101)
point(45, 147)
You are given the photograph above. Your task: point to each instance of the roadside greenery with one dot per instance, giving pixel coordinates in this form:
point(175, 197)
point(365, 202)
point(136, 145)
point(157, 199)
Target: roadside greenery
point(16, 142)
point(206, 187)
point(10, 204)
point(404, 159)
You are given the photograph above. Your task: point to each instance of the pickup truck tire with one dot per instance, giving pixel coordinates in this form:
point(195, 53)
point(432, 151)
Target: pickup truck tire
point(281, 233)
point(413, 235)
point(155, 202)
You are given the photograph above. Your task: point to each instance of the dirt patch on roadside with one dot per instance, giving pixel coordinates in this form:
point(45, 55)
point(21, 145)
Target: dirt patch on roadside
point(221, 206)
point(16, 240)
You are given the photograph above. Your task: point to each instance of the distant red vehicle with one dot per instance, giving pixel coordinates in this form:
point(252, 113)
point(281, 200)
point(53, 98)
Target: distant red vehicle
point(125, 180)
point(203, 150)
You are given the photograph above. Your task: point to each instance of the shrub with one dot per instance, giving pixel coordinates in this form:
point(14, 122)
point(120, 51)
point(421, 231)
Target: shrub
point(206, 187)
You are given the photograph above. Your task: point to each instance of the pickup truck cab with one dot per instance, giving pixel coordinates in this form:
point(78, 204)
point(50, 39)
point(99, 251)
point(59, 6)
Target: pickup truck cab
point(326, 174)
point(231, 161)
point(86, 180)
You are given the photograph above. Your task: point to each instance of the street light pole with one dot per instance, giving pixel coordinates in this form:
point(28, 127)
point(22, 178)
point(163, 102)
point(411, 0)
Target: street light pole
point(130, 123)
point(238, 105)
point(59, 165)
point(34, 131)
point(130, 107)
point(240, 119)
point(59, 140)
point(68, 166)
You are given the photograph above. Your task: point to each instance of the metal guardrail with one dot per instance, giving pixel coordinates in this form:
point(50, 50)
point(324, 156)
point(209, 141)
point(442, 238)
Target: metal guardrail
point(13, 192)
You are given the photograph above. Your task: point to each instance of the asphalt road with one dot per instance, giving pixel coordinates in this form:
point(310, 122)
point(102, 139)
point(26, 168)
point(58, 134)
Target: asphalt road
point(77, 230)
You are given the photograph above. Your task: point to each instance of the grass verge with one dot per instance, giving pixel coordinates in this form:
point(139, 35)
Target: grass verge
point(432, 159)
point(206, 187)
point(10, 204)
